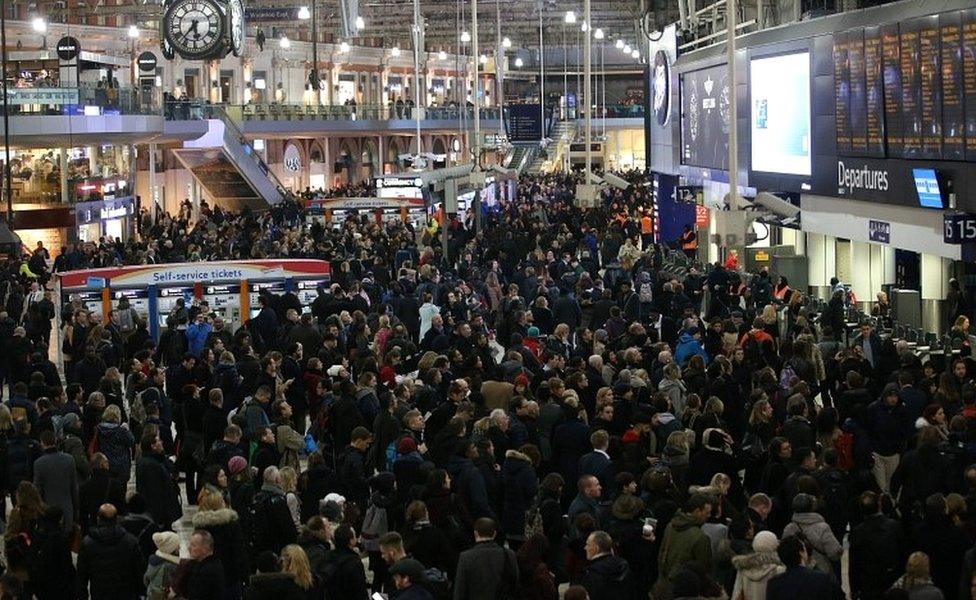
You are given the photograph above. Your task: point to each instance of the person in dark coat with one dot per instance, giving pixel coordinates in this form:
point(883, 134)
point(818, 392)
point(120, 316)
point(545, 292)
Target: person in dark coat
point(428, 544)
point(800, 582)
point(520, 486)
point(945, 544)
point(156, 481)
point(570, 441)
point(877, 547)
point(633, 544)
point(597, 463)
point(469, 482)
point(205, 573)
point(349, 582)
point(224, 527)
point(56, 479)
point(51, 579)
point(351, 467)
point(606, 577)
point(714, 458)
point(101, 488)
point(270, 583)
point(110, 564)
point(486, 570)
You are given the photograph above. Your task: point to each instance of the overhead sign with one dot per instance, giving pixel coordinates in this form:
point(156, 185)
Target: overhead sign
point(270, 14)
point(960, 228)
point(147, 62)
point(661, 87)
point(189, 273)
point(701, 216)
point(879, 231)
point(68, 48)
point(524, 122)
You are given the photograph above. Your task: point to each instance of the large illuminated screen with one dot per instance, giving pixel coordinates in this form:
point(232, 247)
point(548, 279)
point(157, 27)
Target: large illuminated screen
point(780, 119)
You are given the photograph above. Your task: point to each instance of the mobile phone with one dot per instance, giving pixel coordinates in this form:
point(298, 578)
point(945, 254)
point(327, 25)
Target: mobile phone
point(378, 596)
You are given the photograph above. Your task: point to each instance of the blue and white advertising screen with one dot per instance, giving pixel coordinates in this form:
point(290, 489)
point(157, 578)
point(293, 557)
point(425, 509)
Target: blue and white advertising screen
point(780, 120)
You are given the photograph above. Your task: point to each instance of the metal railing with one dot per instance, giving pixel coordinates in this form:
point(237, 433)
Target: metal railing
point(82, 100)
point(219, 112)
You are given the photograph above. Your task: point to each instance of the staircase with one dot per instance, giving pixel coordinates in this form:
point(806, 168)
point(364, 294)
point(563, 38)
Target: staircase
point(563, 133)
point(228, 168)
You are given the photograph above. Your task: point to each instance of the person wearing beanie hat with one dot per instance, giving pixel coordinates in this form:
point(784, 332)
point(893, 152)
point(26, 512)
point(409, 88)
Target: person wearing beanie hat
point(753, 571)
point(162, 565)
point(236, 465)
point(408, 575)
point(533, 332)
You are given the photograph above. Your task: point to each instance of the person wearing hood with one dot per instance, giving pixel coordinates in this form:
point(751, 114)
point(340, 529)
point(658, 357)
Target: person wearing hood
point(271, 583)
point(684, 540)
point(689, 344)
point(224, 527)
point(674, 388)
point(72, 444)
point(716, 456)
point(753, 571)
point(162, 565)
point(888, 426)
point(824, 547)
point(520, 488)
point(605, 577)
point(635, 540)
point(110, 565)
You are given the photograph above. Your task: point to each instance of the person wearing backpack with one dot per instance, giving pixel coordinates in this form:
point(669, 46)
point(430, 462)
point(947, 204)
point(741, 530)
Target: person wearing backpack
point(268, 525)
point(409, 578)
point(486, 571)
point(347, 580)
point(162, 565)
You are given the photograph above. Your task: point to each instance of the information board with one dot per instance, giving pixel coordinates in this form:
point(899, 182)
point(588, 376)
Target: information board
point(857, 108)
point(911, 90)
point(953, 138)
point(874, 86)
point(969, 79)
point(842, 93)
point(524, 123)
point(931, 84)
point(891, 64)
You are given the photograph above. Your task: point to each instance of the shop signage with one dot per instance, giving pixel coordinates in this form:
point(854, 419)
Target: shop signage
point(661, 87)
point(701, 216)
point(68, 48)
point(57, 96)
point(147, 62)
point(762, 256)
point(292, 159)
point(879, 231)
point(959, 228)
point(387, 182)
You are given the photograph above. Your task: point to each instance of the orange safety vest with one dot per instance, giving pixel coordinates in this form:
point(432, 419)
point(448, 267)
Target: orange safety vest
point(689, 241)
point(647, 225)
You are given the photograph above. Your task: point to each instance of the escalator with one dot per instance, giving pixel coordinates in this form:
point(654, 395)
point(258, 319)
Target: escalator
point(228, 168)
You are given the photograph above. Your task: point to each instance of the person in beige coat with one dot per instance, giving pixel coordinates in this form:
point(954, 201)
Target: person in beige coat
point(753, 571)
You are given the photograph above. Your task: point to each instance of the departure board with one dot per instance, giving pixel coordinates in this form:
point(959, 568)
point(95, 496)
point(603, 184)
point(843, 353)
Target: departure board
point(969, 79)
point(842, 93)
point(911, 92)
point(931, 82)
point(891, 55)
point(858, 107)
point(953, 146)
point(875, 92)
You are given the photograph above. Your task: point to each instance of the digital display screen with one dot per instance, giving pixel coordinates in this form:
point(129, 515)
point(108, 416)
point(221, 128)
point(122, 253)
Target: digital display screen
point(927, 187)
point(780, 119)
point(705, 112)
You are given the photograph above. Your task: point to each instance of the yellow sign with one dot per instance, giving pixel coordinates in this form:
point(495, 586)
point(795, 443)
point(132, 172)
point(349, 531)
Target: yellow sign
point(762, 256)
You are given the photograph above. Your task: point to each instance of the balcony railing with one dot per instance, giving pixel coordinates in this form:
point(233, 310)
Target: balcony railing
point(83, 100)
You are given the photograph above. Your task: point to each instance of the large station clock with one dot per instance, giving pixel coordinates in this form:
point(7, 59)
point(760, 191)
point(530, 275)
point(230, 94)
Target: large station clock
point(203, 29)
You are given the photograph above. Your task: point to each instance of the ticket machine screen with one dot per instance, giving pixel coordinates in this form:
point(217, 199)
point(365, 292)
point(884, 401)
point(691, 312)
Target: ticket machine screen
point(138, 299)
point(168, 298)
point(224, 301)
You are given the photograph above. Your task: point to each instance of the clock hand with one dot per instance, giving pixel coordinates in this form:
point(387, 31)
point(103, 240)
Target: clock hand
point(193, 27)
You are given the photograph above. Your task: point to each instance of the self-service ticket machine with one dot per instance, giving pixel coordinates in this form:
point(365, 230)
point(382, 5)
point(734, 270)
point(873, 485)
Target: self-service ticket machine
point(230, 288)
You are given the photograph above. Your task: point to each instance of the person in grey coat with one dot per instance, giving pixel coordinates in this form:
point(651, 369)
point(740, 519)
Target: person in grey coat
point(56, 479)
point(72, 444)
point(824, 547)
point(487, 570)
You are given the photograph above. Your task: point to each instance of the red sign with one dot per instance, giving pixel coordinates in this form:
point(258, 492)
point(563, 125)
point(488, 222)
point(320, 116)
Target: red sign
point(701, 216)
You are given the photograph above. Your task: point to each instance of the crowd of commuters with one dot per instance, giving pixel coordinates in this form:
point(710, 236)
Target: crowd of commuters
point(541, 411)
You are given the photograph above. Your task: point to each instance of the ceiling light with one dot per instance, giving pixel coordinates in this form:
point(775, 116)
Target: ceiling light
point(304, 14)
point(570, 17)
point(284, 42)
point(442, 55)
point(344, 47)
point(483, 59)
point(635, 53)
point(465, 37)
point(360, 23)
point(39, 25)
point(518, 63)
point(584, 27)
point(626, 48)
point(619, 44)
point(133, 31)
point(598, 34)
point(506, 42)
point(395, 51)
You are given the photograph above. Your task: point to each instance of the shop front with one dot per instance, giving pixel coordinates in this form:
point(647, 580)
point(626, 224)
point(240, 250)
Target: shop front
point(109, 218)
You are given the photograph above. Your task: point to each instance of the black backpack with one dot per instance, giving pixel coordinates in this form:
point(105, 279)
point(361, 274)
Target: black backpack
point(438, 584)
point(257, 522)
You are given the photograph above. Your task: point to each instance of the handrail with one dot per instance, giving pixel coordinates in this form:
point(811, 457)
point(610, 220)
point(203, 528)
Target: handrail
point(219, 112)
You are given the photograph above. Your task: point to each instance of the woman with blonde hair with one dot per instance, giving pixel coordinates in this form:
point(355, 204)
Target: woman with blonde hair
point(294, 561)
point(289, 484)
point(115, 441)
point(917, 580)
point(224, 525)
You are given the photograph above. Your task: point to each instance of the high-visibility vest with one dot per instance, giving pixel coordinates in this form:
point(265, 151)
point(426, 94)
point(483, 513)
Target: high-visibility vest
point(689, 241)
point(647, 225)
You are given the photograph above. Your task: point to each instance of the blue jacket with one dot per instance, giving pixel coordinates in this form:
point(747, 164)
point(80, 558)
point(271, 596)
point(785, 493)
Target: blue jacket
point(196, 337)
point(687, 347)
point(469, 484)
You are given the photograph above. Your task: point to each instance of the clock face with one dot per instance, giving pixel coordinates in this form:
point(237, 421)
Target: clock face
point(237, 26)
point(194, 28)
